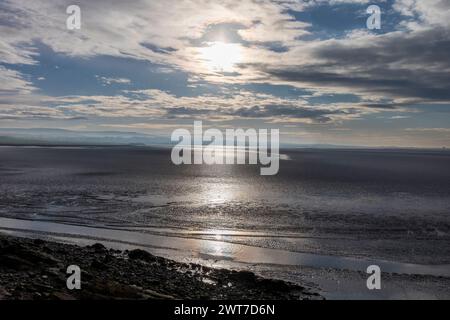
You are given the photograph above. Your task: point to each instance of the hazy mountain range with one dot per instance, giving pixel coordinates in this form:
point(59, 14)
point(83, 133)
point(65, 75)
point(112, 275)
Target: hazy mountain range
point(63, 137)
point(51, 137)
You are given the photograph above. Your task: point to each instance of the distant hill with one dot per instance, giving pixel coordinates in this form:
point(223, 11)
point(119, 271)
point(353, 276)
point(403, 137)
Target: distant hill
point(51, 137)
point(63, 137)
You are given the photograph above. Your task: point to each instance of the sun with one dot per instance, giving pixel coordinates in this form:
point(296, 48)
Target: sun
point(220, 56)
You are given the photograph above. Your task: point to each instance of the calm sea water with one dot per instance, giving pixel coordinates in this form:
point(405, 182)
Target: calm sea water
point(378, 204)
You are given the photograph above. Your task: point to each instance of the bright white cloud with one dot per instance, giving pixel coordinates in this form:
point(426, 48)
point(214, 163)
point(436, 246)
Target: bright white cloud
point(108, 80)
point(429, 12)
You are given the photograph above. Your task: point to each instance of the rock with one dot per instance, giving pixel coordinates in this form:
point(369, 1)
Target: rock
point(150, 294)
point(139, 254)
point(38, 242)
point(98, 247)
point(276, 285)
point(245, 276)
point(4, 294)
point(26, 255)
point(10, 248)
point(15, 263)
point(28, 271)
point(62, 296)
point(96, 264)
point(47, 250)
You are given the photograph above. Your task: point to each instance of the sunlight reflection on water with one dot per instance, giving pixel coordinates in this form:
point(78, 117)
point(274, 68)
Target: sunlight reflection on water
point(218, 193)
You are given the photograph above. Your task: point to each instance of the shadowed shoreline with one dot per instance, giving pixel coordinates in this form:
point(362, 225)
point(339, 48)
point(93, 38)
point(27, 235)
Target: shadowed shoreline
point(32, 269)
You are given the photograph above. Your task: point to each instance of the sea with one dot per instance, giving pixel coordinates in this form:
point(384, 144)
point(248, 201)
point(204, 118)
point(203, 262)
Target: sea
point(325, 218)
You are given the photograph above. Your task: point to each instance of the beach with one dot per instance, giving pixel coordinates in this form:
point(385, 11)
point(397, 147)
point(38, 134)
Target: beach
point(36, 269)
point(320, 223)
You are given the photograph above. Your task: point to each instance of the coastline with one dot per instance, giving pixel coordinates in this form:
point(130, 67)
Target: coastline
point(34, 269)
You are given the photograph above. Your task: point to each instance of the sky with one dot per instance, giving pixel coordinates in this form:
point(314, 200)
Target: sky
point(312, 69)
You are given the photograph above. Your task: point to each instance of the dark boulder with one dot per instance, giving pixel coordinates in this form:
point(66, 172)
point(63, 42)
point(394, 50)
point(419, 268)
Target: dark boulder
point(143, 255)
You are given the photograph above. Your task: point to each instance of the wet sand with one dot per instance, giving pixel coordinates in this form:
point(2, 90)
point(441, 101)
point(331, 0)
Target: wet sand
point(333, 277)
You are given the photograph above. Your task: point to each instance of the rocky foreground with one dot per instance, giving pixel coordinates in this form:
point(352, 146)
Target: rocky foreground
point(36, 269)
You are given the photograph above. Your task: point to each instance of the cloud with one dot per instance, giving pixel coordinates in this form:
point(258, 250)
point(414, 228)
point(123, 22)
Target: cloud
point(108, 81)
point(404, 64)
point(411, 67)
point(142, 29)
point(389, 71)
point(157, 104)
point(429, 13)
point(430, 130)
point(13, 83)
point(146, 126)
point(33, 112)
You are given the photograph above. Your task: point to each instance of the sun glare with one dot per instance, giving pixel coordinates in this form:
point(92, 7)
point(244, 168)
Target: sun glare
point(220, 56)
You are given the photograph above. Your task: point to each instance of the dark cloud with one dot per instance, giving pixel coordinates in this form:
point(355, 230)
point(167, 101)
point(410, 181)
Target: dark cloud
point(268, 111)
point(183, 111)
point(283, 111)
point(414, 65)
point(157, 49)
